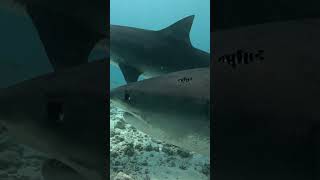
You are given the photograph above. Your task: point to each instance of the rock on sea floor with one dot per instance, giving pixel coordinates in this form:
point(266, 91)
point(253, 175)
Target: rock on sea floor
point(141, 157)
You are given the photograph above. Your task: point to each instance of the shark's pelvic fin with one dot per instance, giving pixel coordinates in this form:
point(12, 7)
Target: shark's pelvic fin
point(53, 169)
point(181, 29)
point(130, 73)
point(67, 42)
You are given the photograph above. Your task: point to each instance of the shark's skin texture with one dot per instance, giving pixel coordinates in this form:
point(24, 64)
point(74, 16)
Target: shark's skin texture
point(68, 29)
point(152, 53)
point(63, 115)
point(266, 112)
point(173, 108)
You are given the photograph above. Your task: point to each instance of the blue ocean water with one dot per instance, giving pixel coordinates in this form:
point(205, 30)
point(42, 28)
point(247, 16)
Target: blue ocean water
point(158, 14)
point(22, 55)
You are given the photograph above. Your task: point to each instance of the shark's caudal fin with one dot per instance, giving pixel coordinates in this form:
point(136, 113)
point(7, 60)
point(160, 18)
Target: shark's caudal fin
point(55, 170)
point(181, 29)
point(67, 42)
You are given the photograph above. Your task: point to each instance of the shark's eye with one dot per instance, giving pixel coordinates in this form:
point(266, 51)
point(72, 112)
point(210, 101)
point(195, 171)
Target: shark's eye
point(126, 96)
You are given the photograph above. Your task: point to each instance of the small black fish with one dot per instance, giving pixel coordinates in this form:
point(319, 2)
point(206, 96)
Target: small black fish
point(241, 57)
point(185, 79)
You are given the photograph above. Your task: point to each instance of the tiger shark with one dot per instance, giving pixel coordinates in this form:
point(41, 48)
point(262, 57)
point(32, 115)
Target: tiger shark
point(174, 108)
point(151, 53)
point(68, 29)
point(265, 92)
point(62, 114)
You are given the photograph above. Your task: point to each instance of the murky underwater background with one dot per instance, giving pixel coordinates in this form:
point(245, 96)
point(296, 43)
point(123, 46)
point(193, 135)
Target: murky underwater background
point(135, 155)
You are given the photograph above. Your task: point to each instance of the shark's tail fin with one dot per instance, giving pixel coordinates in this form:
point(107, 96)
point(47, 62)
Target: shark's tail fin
point(181, 29)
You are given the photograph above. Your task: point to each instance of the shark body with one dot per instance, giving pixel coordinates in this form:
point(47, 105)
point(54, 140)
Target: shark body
point(62, 114)
point(266, 123)
point(265, 105)
point(173, 108)
point(152, 53)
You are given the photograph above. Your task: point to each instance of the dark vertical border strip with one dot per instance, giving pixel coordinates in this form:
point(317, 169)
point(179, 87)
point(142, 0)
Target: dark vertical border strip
point(212, 122)
point(107, 119)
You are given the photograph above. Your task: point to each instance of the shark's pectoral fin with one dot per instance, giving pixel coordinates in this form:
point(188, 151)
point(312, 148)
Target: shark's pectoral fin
point(180, 30)
point(53, 169)
point(130, 74)
point(67, 41)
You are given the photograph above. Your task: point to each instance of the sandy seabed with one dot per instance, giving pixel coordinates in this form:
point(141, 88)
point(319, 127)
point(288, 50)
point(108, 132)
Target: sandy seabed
point(133, 156)
point(137, 156)
point(18, 162)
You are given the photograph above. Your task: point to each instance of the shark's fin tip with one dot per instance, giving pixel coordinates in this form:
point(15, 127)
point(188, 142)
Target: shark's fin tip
point(181, 29)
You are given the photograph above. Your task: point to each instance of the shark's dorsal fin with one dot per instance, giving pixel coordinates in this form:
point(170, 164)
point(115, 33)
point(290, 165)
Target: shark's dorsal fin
point(181, 29)
point(67, 42)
